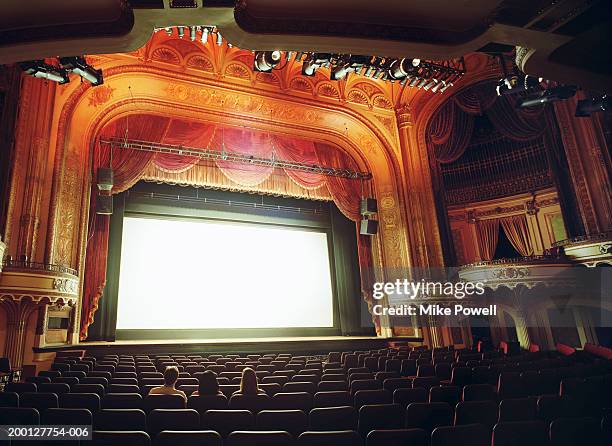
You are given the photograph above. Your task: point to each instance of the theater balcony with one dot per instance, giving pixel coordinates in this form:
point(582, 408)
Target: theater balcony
point(42, 294)
point(527, 271)
point(590, 250)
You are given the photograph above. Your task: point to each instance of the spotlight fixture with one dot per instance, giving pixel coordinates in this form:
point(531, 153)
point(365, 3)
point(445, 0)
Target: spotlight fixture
point(342, 66)
point(401, 68)
point(169, 31)
point(265, 61)
point(181, 31)
point(547, 96)
point(315, 61)
point(38, 68)
point(219, 39)
point(192, 32)
point(205, 32)
point(587, 106)
point(78, 65)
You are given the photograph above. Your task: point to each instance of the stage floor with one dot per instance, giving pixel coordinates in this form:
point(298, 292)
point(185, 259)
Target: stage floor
point(298, 345)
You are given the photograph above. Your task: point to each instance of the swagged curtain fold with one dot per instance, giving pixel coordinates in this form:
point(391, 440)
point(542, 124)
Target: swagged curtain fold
point(516, 229)
point(450, 130)
point(130, 166)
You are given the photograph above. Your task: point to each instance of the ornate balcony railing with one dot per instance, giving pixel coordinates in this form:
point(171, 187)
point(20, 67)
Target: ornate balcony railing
point(9, 262)
point(591, 238)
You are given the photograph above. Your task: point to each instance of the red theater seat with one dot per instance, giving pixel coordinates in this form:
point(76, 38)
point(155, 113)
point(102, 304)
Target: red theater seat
point(333, 418)
point(226, 421)
point(397, 437)
point(576, 431)
point(116, 438)
point(470, 412)
point(520, 433)
point(466, 435)
point(380, 416)
point(121, 419)
point(172, 419)
point(188, 438)
point(293, 421)
point(428, 416)
point(329, 438)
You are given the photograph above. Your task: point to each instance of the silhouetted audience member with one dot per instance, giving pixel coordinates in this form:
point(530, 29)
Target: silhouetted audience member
point(248, 384)
point(171, 374)
point(207, 384)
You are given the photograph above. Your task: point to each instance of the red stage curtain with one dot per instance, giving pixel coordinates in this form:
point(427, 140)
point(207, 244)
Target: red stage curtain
point(442, 124)
point(299, 150)
point(458, 127)
point(190, 134)
point(477, 99)
point(128, 166)
point(247, 142)
point(345, 192)
point(517, 231)
point(450, 130)
point(513, 123)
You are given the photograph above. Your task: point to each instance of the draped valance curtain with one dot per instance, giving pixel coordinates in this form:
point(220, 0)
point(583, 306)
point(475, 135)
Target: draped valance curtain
point(516, 229)
point(130, 166)
point(450, 130)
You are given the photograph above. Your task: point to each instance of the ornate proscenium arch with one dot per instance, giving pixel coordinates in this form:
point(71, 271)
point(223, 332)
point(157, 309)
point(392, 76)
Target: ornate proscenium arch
point(133, 86)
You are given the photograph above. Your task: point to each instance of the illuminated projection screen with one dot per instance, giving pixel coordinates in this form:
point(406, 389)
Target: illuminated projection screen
point(202, 274)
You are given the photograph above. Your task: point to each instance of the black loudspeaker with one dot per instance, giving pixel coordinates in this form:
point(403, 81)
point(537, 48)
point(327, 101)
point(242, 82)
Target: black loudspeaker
point(369, 206)
point(104, 204)
point(368, 227)
point(105, 178)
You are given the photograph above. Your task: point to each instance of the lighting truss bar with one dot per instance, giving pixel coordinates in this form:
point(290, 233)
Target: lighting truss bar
point(235, 157)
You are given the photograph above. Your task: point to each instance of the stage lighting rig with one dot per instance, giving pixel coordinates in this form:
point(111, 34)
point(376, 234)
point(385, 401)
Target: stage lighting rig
point(547, 96)
point(344, 64)
point(315, 61)
point(266, 61)
point(40, 69)
point(585, 107)
point(78, 65)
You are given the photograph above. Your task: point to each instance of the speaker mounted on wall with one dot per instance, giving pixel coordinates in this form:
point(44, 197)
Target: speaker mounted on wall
point(368, 206)
point(105, 178)
point(368, 227)
point(104, 204)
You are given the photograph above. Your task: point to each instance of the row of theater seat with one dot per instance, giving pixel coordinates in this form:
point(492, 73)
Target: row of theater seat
point(370, 381)
point(376, 425)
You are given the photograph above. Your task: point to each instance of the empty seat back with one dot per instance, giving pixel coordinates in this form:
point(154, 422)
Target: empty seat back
point(333, 418)
point(428, 416)
point(335, 438)
point(523, 433)
point(380, 416)
point(465, 435)
point(293, 421)
point(121, 419)
point(259, 438)
point(172, 419)
point(226, 421)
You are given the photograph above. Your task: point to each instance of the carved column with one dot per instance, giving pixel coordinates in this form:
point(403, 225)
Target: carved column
point(72, 326)
point(41, 326)
point(589, 163)
point(18, 311)
point(423, 233)
point(520, 318)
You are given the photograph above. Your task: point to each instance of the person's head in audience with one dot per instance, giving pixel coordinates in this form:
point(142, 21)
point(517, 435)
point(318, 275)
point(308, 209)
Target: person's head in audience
point(248, 384)
point(207, 383)
point(171, 374)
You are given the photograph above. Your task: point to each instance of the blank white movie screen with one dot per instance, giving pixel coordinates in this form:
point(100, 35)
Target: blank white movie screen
point(181, 274)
